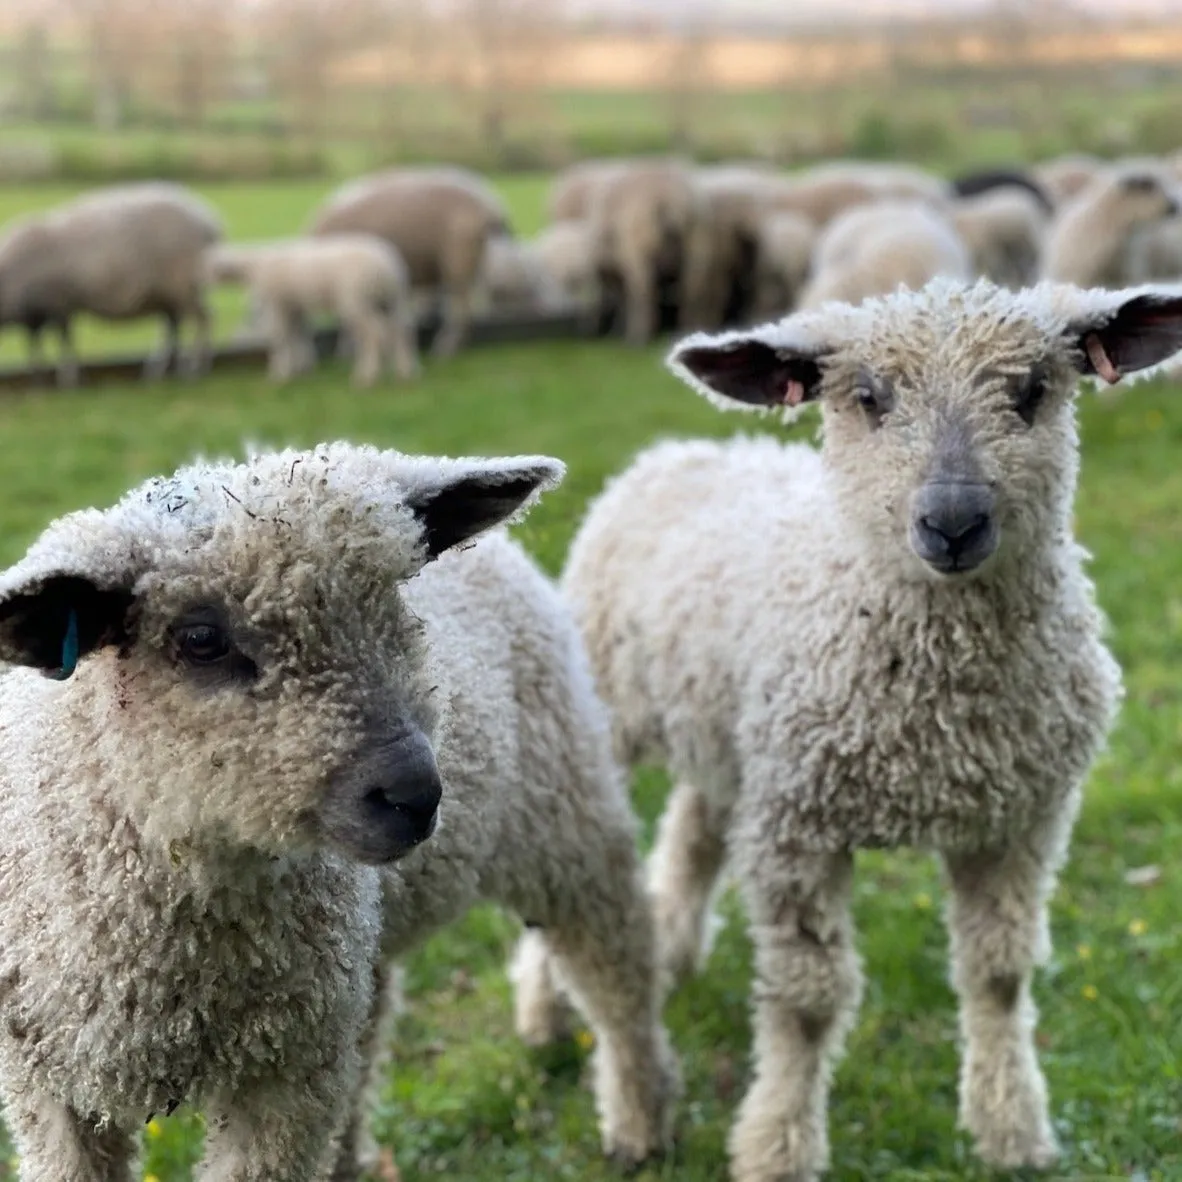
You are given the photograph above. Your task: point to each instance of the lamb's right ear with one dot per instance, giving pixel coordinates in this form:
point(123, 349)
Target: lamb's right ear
point(50, 622)
point(738, 367)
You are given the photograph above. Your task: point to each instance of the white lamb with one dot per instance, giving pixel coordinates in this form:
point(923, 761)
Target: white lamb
point(357, 279)
point(245, 693)
point(887, 642)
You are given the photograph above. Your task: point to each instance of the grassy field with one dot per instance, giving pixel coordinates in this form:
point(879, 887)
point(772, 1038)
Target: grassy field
point(466, 1100)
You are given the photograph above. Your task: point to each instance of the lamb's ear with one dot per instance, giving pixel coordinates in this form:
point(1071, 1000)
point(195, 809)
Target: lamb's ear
point(50, 622)
point(1138, 333)
point(746, 368)
point(474, 495)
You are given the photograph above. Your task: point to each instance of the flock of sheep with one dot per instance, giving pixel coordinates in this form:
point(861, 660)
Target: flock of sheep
point(266, 725)
point(637, 245)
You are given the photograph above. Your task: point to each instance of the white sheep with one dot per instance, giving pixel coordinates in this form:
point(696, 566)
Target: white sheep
point(246, 697)
point(1003, 229)
point(1089, 241)
point(357, 279)
point(1062, 177)
point(566, 250)
point(871, 249)
point(515, 278)
point(439, 218)
point(888, 642)
point(784, 245)
point(119, 253)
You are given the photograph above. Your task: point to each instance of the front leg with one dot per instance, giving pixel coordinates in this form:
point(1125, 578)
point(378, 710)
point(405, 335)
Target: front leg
point(997, 918)
point(280, 1132)
point(807, 987)
point(54, 1145)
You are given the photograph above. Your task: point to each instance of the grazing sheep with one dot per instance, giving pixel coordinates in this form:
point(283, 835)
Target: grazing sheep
point(358, 279)
point(514, 278)
point(439, 219)
point(567, 251)
point(119, 253)
point(1003, 229)
point(573, 191)
point(1065, 176)
point(646, 219)
point(888, 642)
point(1088, 242)
point(783, 253)
point(244, 693)
point(872, 249)
point(825, 191)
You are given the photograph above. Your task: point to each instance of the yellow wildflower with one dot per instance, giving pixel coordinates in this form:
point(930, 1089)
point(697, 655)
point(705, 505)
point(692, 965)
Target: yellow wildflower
point(1138, 927)
point(1090, 992)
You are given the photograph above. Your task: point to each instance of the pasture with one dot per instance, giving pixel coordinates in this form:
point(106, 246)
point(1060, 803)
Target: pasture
point(466, 1101)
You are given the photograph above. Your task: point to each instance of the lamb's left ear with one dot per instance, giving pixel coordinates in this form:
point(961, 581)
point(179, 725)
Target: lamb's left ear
point(470, 496)
point(1142, 331)
point(748, 368)
point(51, 621)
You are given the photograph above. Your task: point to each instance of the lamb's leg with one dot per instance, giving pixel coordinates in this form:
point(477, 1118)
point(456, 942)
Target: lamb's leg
point(683, 870)
point(640, 303)
point(806, 993)
point(280, 1133)
point(403, 338)
point(368, 331)
point(157, 365)
point(54, 1145)
point(997, 919)
point(200, 359)
point(600, 932)
point(67, 365)
point(357, 1151)
point(456, 313)
point(542, 1013)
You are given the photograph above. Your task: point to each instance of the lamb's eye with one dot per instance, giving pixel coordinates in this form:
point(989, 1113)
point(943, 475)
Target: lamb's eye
point(203, 644)
point(867, 399)
point(1028, 395)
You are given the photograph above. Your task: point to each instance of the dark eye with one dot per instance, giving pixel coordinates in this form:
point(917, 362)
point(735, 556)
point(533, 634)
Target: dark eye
point(867, 399)
point(202, 644)
point(1028, 395)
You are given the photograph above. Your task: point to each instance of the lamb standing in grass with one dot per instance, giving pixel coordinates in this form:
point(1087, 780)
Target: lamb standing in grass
point(281, 669)
point(119, 253)
point(359, 280)
point(890, 642)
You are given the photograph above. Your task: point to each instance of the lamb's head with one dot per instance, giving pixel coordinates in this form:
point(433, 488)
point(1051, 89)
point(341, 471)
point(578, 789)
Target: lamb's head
point(948, 413)
point(248, 671)
point(1140, 192)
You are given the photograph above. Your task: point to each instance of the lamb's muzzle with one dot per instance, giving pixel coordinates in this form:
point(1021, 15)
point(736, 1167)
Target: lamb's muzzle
point(387, 803)
point(953, 527)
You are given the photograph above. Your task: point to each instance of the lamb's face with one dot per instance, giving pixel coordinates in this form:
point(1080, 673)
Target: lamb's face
point(949, 428)
point(250, 671)
point(1144, 195)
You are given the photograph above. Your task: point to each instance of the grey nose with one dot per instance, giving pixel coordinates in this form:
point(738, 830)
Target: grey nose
point(388, 801)
point(953, 526)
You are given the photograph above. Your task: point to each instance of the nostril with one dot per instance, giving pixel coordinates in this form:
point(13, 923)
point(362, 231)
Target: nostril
point(418, 807)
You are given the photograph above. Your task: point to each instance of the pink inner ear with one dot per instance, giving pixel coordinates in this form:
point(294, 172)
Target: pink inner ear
point(793, 392)
point(1100, 360)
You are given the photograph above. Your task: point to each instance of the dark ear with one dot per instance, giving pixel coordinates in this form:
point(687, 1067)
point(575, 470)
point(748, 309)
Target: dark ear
point(1144, 331)
point(479, 498)
point(53, 623)
point(747, 370)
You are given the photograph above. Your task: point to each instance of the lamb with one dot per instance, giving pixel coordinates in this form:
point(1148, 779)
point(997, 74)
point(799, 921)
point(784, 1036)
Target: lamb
point(1063, 177)
point(267, 719)
point(358, 279)
point(566, 250)
point(120, 252)
point(515, 278)
point(824, 192)
point(1088, 242)
point(439, 219)
point(870, 250)
point(889, 642)
point(1003, 229)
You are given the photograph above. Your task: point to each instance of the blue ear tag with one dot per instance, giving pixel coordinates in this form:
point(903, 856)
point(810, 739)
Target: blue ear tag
point(69, 649)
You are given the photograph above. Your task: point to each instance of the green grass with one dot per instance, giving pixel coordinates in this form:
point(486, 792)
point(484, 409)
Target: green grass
point(466, 1101)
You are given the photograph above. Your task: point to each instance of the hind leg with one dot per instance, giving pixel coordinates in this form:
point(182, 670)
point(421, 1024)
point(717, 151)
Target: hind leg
point(367, 332)
point(683, 871)
point(598, 928)
point(54, 1145)
point(402, 338)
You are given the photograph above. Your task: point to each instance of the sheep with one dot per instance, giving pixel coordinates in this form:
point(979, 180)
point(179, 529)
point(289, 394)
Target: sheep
point(293, 717)
point(988, 180)
point(645, 219)
point(872, 249)
point(783, 252)
point(515, 278)
point(888, 642)
point(1003, 229)
point(119, 253)
point(440, 220)
point(1155, 251)
point(358, 279)
point(1065, 176)
point(566, 250)
point(1088, 242)
point(825, 191)
point(573, 190)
